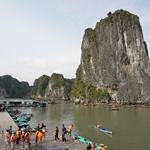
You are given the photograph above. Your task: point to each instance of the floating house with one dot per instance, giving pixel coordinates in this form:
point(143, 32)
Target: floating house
point(41, 104)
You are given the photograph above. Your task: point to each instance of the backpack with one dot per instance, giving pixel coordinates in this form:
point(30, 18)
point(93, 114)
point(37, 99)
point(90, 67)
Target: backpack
point(65, 130)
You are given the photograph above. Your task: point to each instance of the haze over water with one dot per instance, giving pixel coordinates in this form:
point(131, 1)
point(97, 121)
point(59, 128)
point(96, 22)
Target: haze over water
point(130, 126)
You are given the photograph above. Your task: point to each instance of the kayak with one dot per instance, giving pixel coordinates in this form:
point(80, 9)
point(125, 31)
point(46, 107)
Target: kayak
point(85, 141)
point(104, 130)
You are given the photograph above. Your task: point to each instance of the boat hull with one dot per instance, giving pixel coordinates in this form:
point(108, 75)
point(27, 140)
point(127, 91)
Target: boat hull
point(103, 130)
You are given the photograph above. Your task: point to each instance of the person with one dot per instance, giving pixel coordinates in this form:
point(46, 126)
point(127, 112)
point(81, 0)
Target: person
point(43, 132)
point(98, 126)
point(103, 148)
point(70, 129)
point(56, 134)
point(23, 129)
point(30, 130)
point(93, 145)
point(38, 126)
point(42, 126)
point(13, 140)
point(18, 134)
point(22, 141)
point(89, 147)
point(36, 136)
point(6, 138)
point(40, 138)
point(27, 140)
point(64, 131)
point(10, 131)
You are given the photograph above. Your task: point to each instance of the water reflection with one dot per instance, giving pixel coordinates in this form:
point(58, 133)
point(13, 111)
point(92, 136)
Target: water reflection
point(130, 126)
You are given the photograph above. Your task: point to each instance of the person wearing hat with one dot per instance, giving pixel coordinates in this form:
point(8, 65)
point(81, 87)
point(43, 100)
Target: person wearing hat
point(13, 140)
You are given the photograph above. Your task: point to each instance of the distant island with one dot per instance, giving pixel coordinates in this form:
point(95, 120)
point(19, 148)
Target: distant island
point(114, 67)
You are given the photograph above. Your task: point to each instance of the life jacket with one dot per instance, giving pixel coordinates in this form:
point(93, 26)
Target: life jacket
point(6, 135)
point(40, 136)
point(13, 138)
point(36, 134)
point(18, 133)
point(22, 137)
point(28, 135)
point(70, 128)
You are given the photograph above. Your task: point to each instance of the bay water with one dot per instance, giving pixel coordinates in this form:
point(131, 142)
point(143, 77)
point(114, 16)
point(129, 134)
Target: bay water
point(130, 126)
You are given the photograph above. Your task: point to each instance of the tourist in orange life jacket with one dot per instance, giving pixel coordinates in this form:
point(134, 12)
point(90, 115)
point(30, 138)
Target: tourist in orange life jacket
point(22, 141)
point(13, 140)
point(70, 129)
point(27, 139)
point(36, 136)
point(6, 138)
point(40, 138)
point(18, 134)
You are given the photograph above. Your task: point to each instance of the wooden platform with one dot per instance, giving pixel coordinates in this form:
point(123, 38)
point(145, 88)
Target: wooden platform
point(49, 144)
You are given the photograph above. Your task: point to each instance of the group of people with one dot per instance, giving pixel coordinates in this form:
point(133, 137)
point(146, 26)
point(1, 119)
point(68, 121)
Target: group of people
point(64, 132)
point(22, 135)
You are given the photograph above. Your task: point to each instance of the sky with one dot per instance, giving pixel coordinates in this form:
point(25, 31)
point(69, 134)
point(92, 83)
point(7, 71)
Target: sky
point(40, 37)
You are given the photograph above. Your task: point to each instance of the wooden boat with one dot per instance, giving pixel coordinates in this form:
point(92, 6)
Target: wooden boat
point(103, 130)
point(86, 141)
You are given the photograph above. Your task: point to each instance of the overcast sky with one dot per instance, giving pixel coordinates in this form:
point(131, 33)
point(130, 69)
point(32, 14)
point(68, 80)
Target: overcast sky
point(44, 36)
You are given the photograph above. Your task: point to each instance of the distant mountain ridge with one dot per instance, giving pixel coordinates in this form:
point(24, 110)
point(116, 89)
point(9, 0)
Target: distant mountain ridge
point(12, 88)
point(54, 87)
point(114, 66)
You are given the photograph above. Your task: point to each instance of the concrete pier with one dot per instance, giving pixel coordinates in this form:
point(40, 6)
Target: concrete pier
point(6, 121)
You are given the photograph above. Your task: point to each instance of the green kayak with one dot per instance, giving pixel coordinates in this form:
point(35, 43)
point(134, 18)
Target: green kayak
point(86, 141)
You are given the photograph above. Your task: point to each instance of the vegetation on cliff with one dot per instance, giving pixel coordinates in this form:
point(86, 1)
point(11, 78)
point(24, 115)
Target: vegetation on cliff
point(40, 85)
point(52, 87)
point(84, 91)
point(13, 88)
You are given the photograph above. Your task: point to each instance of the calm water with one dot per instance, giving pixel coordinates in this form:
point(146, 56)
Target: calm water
point(130, 126)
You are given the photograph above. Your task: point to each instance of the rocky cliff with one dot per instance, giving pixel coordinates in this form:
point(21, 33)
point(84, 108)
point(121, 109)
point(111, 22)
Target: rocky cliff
point(54, 87)
point(115, 58)
point(11, 87)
